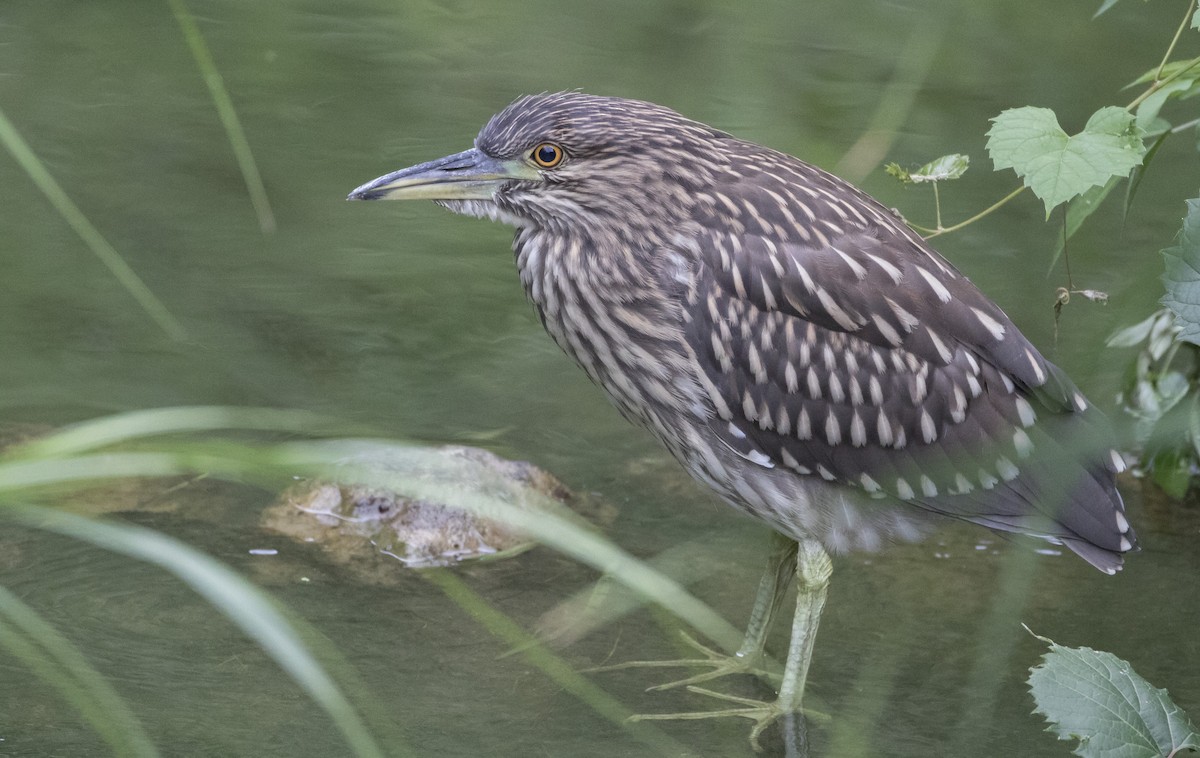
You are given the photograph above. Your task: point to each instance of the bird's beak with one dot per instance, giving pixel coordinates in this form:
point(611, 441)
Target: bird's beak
point(469, 175)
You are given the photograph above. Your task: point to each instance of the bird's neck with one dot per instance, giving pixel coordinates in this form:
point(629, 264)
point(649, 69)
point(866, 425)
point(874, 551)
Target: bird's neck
point(548, 258)
point(609, 308)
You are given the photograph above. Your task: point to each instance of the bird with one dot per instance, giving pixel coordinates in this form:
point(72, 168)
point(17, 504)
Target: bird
point(794, 344)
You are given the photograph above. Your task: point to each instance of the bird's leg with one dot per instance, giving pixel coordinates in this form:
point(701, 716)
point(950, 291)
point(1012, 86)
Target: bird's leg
point(813, 569)
point(781, 563)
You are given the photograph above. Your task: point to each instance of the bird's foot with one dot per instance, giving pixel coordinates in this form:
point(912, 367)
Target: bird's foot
point(761, 712)
point(719, 663)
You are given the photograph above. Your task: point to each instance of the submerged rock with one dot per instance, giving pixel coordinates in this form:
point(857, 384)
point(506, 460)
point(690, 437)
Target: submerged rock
point(350, 519)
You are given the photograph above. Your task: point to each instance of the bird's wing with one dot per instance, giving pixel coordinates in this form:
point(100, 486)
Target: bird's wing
point(881, 367)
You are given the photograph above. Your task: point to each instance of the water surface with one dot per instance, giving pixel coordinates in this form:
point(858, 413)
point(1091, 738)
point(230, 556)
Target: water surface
point(412, 320)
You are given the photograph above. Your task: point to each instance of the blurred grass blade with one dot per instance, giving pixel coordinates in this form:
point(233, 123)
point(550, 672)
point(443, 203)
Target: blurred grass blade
point(243, 603)
point(555, 668)
point(896, 101)
point(98, 433)
point(41, 472)
point(881, 667)
point(605, 602)
point(57, 662)
point(379, 713)
point(994, 648)
point(91, 236)
point(229, 118)
point(423, 480)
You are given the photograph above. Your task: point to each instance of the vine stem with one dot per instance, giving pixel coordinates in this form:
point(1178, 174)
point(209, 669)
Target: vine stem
point(1185, 126)
point(1160, 83)
point(937, 205)
point(1066, 253)
point(940, 230)
point(1174, 40)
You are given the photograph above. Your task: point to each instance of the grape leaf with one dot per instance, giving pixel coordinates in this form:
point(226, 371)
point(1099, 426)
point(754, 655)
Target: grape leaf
point(1132, 336)
point(944, 168)
point(1098, 699)
point(1057, 166)
point(1182, 276)
point(938, 170)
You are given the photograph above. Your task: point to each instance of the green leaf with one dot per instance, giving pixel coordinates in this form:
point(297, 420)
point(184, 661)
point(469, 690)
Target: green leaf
point(1098, 699)
point(1169, 70)
point(1172, 472)
point(942, 169)
point(1130, 336)
point(1147, 112)
point(1182, 276)
point(1056, 166)
point(1172, 386)
point(938, 170)
point(1195, 17)
point(896, 170)
point(1163, 336)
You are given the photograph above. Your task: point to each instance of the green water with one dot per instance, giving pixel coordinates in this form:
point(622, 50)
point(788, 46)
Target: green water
point(412, 320)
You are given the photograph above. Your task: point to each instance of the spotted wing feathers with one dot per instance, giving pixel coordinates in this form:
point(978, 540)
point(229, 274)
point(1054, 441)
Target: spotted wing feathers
point(864, 358)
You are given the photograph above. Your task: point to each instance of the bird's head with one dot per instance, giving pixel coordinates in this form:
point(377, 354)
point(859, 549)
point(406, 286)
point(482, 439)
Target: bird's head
point(569, 162)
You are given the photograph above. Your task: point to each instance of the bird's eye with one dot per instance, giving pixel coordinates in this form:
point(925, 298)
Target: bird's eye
point(547, 155)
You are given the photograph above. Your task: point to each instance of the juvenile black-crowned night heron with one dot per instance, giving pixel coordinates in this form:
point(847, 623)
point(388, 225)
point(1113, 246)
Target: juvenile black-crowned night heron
point(792, 342)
